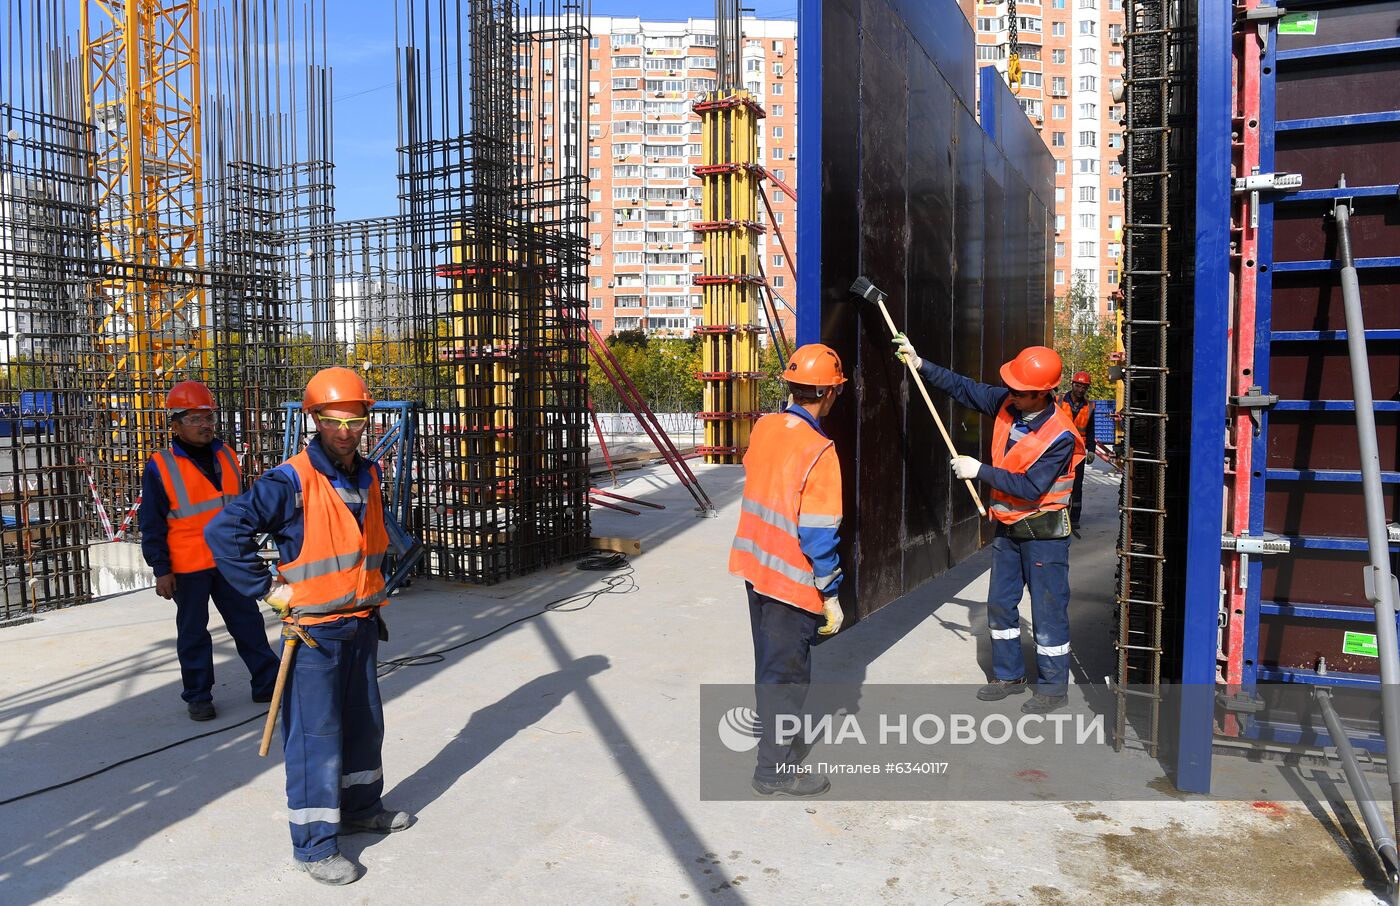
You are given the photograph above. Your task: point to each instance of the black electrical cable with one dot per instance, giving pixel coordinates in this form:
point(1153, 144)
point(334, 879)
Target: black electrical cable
point(620, 584)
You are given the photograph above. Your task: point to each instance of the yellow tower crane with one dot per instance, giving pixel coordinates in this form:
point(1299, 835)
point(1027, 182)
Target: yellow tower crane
point(141, 75)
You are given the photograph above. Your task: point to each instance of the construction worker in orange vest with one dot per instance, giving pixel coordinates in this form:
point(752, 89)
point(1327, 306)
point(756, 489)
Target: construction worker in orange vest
point(324, 510)
point(183, 487)
point(1035, 451)
point(1080, 410)
point(785, 551)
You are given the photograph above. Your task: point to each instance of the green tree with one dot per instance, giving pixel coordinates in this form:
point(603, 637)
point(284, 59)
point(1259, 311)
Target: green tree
point(1083, 340)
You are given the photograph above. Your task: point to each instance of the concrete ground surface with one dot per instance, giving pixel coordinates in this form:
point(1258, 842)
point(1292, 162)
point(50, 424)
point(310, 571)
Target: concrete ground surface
point(557, 760)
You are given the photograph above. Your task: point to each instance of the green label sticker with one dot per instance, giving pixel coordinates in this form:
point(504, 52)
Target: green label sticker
point(1360, 643)
point(1298, 24)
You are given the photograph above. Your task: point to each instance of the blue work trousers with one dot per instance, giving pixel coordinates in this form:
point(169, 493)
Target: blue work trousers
point(1043, 567)
point(194, 646)
point(782, 655)
point(332, 734)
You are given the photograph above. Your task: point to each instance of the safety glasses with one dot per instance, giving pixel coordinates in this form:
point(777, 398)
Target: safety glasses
point(346, 424)
point(197, 418)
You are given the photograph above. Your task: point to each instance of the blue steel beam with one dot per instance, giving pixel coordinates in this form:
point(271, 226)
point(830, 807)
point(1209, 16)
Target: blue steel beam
point(1348, 121)
point(1210, 363)
point(1342, 475)
point(1319, 611)
point(809, 176)
point(1332, 406)
point(1327, 336)
point(1361, 263)
point(1349, 49)
point(1306, 195)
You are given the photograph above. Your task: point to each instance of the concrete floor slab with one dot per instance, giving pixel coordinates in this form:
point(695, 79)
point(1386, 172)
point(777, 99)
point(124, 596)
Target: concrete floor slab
point(556, 759)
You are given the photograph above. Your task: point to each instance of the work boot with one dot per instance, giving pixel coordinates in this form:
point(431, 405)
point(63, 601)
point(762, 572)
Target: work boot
point(795, 785)
point(1044, 704)
point(333, 870)
point(998, 689)
point(262, 698)
point(201, 710)
point(383, 821)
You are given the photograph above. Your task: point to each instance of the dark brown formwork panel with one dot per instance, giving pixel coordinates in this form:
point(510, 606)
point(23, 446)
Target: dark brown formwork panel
point(952, 221)
point(1327, 440)
point(1312, 300)
point(1315, 577)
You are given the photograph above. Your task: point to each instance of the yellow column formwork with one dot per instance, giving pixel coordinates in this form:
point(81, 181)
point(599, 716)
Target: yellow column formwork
point(729, 346)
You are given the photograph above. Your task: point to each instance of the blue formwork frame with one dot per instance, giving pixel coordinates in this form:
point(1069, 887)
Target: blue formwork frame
point(1209, 370)
point(809, 175)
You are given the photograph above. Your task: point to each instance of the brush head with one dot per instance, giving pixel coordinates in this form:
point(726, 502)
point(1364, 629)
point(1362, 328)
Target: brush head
point(866, 290)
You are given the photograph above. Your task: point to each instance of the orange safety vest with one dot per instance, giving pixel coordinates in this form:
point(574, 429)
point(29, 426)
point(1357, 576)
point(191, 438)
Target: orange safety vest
point(1080, 418)
point(1024, 454)
point(194, 501)
point(337, 573)
point(791, 479)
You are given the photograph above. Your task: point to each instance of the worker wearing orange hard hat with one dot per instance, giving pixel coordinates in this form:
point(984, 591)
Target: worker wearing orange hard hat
point(1080, 409)
point(785, 551)
point(324, 510)
point(183, 487)
point(1035, 452)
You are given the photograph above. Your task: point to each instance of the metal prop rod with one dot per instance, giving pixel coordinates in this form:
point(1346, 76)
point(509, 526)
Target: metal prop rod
point(1380, 835)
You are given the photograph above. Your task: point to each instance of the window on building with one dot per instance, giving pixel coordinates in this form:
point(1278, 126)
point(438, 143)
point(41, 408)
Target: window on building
point(1115, 59)
point(990, 53)
point(777, 132)
point(594, 43)
point(1057, 56)
point(595, 260)
point(778, 281)
point(1031, 106)
point(1088, 139)
point(595, 302)
point(1030, 52)
point(1086, 250)
point(595, 195)
point(1088, 27)
point(1059, 250)
point(1088, 221)
point(1057, 4)
point(1059, 277)
point(1057, 86)
point(1115, 168)
point(1115, 140)
point(1114, 250)
point(595, 217)
point(1115, 33)
point(1057, 29)
point(628, 62)
point(1115, 113)
point(593, 64)
point(777, 109)
point(1115, 195)
point(1059, 193)
point(595, 109)
point(1088, 193)
point(753, 64)
point(1088, 83)
point(778, 217)
point(1057, 139)
point(622, 39)
point(1029, 23)
point(1057, 111)
point(1115, 221)
point(1059, 223)
point(780, 174)
point(1060, 168)
point(1032, 79)
point(777, 69)
point(595, 151)
point(1112, 281)
point(777, 153)
point(777, 88)
point(1089, 111)
point(1115, 86)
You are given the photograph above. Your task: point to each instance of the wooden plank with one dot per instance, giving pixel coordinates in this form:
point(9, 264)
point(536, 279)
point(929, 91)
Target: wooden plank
point(632, 547)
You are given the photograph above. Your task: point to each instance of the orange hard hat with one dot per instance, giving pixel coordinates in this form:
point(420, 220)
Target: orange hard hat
point(1081, 377)
point(335, 385)
point(189, 395)
point(1035, 368)
point(814, 365)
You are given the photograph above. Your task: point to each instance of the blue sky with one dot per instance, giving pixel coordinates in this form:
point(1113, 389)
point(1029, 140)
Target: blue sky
point(360, 39)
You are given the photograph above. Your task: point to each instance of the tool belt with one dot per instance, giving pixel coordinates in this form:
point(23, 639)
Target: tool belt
point(1051, 525)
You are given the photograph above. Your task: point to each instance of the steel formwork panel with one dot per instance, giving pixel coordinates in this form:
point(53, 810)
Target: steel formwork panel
point(899, 148)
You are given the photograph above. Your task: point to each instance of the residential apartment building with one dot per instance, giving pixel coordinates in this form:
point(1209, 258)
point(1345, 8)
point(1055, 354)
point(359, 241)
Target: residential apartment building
point(1072, 64)
point(643, 146)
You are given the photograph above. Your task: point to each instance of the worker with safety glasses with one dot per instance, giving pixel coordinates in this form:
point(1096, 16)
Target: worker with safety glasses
point(324, 510)
point(1036, 449)
point(785, 551)
point(185, 486)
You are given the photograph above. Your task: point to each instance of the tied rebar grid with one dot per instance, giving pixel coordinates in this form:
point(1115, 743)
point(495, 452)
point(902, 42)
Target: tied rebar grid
point(1153, 158)
point(48, 265)
point(494, 204)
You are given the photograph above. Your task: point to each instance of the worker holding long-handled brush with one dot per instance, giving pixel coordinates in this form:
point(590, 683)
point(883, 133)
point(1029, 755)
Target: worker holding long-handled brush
point(1036, 449)
point(324, 510)
point(785, 550)
point(183, 488)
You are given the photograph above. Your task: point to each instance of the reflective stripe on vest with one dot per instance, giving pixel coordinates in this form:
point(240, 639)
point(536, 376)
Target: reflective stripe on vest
point(1025, 453)
point(767, 552)
point(337, 572)
point(194, 501)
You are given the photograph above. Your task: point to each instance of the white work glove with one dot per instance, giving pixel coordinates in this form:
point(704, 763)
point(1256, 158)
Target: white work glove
point(834, 616)
point(904, 351)
point(965, 467)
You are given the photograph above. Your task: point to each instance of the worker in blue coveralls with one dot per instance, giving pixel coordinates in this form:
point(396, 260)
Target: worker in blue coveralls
point(183, 487)
point(1036, 449)
point(324, 511)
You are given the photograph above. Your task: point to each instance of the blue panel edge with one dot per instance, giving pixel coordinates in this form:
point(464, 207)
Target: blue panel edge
point(809, 174)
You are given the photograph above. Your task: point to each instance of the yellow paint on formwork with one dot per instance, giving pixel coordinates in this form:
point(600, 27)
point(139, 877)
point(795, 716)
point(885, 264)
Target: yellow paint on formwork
point(142, 89)
point(729, 346)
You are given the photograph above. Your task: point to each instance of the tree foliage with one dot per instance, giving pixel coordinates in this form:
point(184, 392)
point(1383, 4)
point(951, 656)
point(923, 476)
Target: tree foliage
point(1082, 339)
point(666, 371)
